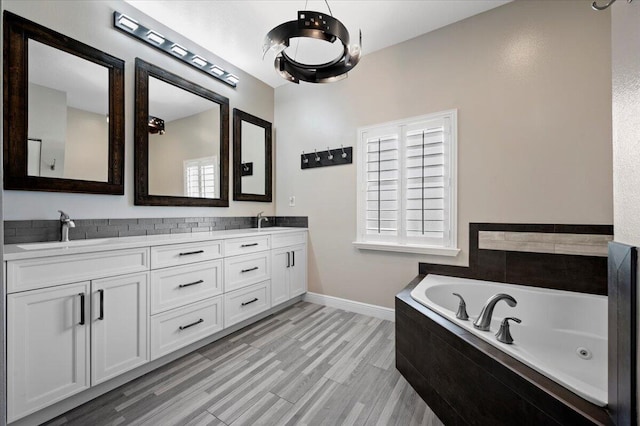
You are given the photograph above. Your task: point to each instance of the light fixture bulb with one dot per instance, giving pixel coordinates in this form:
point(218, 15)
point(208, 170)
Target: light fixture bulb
point(198, 60)
point(179, 50)
point(128, 23)
point(155, 37)
point(217, 70)
point(233, 79)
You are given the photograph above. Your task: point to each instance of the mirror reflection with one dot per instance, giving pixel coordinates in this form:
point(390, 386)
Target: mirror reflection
point(253, 159)
point(252, 179)
point(68, 107)
point(184, 143)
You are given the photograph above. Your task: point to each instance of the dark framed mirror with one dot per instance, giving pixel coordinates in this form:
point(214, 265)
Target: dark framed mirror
point(181, 141)
point(252, 178)
point(63, 112)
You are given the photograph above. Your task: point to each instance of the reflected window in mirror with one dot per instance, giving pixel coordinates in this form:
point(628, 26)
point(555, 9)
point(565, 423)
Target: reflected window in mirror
point(182, 141)
point(66, 101)
point(252, 179)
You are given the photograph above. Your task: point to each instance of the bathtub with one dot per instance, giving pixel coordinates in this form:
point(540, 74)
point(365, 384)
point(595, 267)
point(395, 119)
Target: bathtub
point(563, 335)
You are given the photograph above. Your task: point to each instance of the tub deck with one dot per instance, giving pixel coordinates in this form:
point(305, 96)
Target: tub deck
point(465, 380)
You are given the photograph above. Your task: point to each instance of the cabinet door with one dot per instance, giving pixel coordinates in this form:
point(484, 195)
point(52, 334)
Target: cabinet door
point(119, 326)
point(298, 271)
point(47, 346)
point(280, 265)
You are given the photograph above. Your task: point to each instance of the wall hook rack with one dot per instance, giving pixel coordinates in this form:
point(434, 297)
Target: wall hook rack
point(327, 158)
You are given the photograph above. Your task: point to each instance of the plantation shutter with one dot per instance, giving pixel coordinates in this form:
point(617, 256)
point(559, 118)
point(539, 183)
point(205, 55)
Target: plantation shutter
point(199, 177)
point(382, 184)
point(427, 182)
point(407, 185)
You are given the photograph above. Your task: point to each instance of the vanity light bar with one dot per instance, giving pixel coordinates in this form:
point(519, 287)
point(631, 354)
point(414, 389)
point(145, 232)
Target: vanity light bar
point(133, 28)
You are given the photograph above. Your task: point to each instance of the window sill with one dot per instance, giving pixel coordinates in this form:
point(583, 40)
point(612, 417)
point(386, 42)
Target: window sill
point(407, 248)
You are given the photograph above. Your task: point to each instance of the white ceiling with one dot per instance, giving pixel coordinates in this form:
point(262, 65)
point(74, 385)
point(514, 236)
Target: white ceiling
point(235, 30)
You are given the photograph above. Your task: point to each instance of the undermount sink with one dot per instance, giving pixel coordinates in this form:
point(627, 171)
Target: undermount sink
point(60, 244)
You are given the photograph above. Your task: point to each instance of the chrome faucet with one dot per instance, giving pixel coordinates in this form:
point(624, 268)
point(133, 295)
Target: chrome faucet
point(484, 319)
point(260, 218)
point(66, 223)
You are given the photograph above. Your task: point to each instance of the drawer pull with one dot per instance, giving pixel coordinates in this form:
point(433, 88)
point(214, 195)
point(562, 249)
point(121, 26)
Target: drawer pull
point(190, 284)
point(249, 245)
point(288, 259)
point(82, 312)
point(101, 317)
point(184, 327)
point(255, 299)
point(249, 270)
point(191, 252)
point(293, 256)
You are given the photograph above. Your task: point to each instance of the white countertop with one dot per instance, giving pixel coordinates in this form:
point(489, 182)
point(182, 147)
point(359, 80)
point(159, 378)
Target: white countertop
point(18, 251)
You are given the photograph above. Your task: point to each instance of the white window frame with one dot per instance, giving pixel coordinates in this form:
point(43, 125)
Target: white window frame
point(200, 163)
point(400, 243)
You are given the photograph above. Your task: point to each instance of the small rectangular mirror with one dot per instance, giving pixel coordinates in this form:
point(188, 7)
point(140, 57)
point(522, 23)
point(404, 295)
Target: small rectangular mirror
point(251, 158)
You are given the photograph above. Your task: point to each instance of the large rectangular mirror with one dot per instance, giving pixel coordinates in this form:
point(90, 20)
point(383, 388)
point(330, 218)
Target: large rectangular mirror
point(182, 141)
point(251, 158)
point(64, 112)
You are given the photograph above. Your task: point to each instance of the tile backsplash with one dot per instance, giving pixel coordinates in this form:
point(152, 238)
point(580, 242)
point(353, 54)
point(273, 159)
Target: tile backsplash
point(28, 231)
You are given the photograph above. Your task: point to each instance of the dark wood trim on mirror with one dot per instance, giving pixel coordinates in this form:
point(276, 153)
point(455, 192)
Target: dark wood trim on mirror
point(142, 196)
point(238, 117)
point(17, 32)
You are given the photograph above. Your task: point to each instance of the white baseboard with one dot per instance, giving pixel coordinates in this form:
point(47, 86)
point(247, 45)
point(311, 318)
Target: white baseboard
point(351, 306)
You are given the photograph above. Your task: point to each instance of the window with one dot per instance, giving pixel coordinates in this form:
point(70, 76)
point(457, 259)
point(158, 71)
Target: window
point(407, 185)
point(199, 177)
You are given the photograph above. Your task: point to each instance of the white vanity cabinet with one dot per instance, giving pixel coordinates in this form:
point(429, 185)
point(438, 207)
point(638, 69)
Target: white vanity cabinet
point(185, 280)
point(78, 317)
point(289, 267)
point(119, 324)
point(47, 347)
point(64, 339)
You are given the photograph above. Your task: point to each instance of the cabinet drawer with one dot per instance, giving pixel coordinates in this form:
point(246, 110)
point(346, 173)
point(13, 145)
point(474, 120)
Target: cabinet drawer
point(30, 274)
point(235, 246)
point(182, 254)
point(181, 285)
point(180, 327)
point(241, 271)
point(247, 302)
point(288, 239)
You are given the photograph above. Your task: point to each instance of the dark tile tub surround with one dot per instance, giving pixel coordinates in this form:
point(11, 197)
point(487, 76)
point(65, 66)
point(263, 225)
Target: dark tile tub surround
point(28, 231)
point(546, 265)
point(467, 381)
point(623, 364)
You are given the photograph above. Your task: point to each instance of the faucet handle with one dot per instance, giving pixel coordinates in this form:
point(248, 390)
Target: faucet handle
point(462, 309)
point(63, 216)
point(504, 335)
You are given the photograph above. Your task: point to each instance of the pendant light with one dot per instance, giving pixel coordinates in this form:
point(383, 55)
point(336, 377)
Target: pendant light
point(315, 25)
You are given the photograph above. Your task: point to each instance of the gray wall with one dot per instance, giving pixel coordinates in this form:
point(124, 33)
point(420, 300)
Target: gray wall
point(91, 23)
point(532, 84)
point(626, 125)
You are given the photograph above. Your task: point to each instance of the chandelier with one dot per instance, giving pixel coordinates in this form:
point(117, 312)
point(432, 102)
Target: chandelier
point(316, 25)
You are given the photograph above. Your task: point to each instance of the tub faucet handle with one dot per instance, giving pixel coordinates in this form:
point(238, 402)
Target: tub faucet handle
point(504, 335)
point(462, 309)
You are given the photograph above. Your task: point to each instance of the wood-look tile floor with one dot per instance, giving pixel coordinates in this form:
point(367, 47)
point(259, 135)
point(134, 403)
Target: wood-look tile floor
point(309, 364)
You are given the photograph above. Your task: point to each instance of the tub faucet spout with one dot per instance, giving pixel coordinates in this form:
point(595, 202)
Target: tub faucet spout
point(484, 319)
